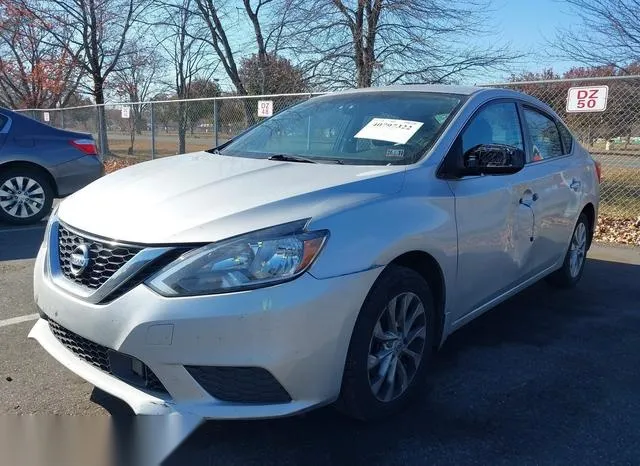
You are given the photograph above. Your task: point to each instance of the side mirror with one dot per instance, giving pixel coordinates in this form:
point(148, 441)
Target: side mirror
point(492, 159)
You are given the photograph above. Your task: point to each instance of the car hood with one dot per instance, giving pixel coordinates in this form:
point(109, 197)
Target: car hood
point(202, 197)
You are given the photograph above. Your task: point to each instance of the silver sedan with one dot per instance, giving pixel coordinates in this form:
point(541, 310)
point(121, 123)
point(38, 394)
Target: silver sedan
point(323, 256)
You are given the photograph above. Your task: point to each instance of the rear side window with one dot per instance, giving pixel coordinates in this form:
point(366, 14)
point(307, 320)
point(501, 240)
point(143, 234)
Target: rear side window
point(544, 134)
point(3, 121)
point(567, 139)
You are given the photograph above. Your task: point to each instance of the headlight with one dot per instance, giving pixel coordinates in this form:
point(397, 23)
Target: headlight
point(258, 259)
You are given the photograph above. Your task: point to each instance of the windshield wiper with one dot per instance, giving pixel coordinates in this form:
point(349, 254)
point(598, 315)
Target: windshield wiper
point(291, 158)
point(297, 158)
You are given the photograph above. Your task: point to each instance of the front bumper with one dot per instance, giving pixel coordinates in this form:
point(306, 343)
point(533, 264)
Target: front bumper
point(297, 331)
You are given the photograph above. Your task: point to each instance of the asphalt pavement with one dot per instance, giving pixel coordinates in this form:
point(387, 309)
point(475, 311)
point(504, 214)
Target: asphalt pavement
point(549, 377)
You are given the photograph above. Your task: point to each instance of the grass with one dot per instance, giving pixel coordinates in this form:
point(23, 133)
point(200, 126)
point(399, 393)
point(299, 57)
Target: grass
point(165, 145)
point(620, 192)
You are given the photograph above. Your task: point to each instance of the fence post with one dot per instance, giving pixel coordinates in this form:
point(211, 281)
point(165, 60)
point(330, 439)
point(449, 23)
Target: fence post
point(153, 133)
point(215, 122)
point(101, 135)
point(62, 118)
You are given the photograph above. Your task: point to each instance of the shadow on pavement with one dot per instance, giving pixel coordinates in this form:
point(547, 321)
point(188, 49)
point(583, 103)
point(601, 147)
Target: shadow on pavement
point(547, 377)
point(20, 242)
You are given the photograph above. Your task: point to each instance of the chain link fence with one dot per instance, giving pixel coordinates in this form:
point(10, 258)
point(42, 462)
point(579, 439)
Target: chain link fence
point(612, 136)
point(142, 131)
point(147, 130)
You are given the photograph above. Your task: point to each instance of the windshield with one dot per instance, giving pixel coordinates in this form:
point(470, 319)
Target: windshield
point(362, 128)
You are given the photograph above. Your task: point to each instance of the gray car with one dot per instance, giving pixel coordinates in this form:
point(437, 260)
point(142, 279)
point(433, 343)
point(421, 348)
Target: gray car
point(39, 163)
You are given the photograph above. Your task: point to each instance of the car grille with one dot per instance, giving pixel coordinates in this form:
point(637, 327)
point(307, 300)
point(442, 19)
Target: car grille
point(107, 360)
point(105, 258)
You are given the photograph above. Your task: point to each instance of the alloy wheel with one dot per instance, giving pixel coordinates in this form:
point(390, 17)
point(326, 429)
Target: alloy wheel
point(397, 346)
point(21, 197)
point(577, 250)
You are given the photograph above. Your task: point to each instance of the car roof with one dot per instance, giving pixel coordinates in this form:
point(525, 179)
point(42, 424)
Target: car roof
point(489, 92)
point(436, 88)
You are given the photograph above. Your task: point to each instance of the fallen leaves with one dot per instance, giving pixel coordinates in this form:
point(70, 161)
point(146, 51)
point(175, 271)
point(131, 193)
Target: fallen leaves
point(618, 230)
point(112, 164)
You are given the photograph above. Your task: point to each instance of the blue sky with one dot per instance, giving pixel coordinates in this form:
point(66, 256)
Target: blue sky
point(528, 24)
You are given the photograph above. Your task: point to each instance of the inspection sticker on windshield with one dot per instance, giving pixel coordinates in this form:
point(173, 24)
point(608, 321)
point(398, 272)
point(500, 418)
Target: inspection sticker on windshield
point(388, 129)
point(395, 153)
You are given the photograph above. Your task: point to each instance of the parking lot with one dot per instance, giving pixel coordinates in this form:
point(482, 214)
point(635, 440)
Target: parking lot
point(548, 377)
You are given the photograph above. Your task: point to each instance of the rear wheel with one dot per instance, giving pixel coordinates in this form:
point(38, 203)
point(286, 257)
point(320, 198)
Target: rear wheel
point(26, 196)
point(572, 268)
point(391, 345)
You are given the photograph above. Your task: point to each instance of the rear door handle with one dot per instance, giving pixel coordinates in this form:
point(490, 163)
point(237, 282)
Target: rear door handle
point(575, 185)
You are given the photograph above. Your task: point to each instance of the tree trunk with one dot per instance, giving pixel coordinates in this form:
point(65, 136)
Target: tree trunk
point(132, 134)
point(98, 95)
point(138, 121)
point(365, 74)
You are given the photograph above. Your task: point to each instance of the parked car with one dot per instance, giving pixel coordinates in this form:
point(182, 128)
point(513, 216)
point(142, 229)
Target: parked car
point(321, 256)
point(39, 163)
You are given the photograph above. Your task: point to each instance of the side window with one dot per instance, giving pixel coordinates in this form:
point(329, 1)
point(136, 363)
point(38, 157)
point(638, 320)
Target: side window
point(3, 121)
point(567, 138)
point(545, 138)
point(495, 124)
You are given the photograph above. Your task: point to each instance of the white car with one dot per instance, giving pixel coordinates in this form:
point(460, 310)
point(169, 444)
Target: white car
point(322, 256)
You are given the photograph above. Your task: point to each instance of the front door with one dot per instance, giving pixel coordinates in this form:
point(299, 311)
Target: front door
point(494, 228)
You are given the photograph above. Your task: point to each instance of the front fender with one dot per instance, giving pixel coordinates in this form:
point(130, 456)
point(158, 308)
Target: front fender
point(419, 218)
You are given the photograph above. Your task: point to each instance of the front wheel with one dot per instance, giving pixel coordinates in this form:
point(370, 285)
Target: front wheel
point(26, 196)
point(391, 345)
point(572, 268)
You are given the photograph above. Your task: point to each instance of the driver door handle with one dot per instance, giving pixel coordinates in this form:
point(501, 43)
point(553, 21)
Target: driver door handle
point(528, 197)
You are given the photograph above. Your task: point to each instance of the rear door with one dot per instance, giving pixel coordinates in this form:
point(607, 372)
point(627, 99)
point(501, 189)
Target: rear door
point(494, 228)
point(550, 184)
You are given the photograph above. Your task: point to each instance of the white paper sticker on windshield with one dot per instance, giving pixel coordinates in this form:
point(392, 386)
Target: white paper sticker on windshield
point(388, 129)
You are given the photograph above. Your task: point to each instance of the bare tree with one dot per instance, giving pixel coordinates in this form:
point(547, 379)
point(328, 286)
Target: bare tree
point(135, 81)
point(267, 26)
point(608, 33)
point(99, 31)
point(365, 42)
point(179, 29)
point(33, 73)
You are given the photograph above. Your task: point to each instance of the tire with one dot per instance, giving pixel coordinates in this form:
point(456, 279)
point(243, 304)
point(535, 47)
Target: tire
point(357, 397)
point(570, 274)
point(34, 200)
